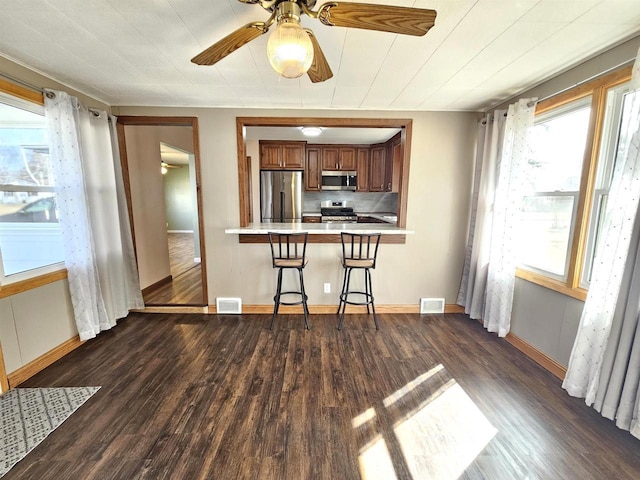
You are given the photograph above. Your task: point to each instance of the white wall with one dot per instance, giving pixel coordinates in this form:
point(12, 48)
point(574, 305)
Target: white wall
point(429, 264)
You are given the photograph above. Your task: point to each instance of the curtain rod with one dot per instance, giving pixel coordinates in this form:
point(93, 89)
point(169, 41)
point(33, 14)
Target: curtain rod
point(96, 113)
point(41, 90)
point(22, 83)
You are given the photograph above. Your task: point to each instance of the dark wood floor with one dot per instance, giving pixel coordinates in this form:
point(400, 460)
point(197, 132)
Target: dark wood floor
point(185, 287)
point(223, 397)
point(181, 253)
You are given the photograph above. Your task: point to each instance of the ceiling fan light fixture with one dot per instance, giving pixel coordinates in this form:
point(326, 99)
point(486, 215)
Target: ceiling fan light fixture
point(289, 48)
point(163, 170)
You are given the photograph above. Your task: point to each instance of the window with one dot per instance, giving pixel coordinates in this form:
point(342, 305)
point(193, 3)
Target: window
point(576, 140)
point(613, 146)
point(30, 236)
point(548, 214)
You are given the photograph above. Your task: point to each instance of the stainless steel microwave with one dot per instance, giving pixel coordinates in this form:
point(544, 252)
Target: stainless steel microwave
point(339, 180)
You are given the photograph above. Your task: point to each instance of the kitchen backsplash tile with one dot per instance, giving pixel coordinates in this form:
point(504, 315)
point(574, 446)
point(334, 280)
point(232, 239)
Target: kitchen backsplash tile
point(368, 202)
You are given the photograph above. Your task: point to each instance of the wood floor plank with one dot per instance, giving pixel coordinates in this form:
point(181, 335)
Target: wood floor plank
point(431, 396)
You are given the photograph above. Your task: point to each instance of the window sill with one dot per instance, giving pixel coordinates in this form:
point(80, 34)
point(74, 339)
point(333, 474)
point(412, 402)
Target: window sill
point(552, 284)
point(20, 286)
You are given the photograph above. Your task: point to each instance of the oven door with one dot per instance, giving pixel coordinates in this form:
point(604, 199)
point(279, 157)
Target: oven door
point(334, 180)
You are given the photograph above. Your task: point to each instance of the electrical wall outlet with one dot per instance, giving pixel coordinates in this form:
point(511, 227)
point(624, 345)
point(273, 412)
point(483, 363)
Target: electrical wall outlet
point(327, 288)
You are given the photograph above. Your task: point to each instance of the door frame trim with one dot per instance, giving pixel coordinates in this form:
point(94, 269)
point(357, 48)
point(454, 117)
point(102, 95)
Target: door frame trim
point(143, 120)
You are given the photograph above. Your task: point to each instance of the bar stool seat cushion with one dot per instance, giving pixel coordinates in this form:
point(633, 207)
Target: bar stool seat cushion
point(359, 262)
point(290, 262)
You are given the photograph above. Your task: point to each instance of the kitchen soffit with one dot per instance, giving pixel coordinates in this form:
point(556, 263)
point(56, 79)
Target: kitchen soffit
point(329, 135)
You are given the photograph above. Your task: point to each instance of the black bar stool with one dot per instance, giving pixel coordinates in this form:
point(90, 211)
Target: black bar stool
point(359, 251)
point(288, 251)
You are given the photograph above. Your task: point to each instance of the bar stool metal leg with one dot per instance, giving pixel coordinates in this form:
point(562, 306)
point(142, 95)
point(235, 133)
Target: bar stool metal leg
point(343, 295)
point(276, 299)
point(373, 305)
point(367, 289)
point(344, 282)
point(305, 307)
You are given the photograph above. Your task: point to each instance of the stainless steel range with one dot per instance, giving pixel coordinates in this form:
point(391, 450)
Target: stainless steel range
point(337, 212)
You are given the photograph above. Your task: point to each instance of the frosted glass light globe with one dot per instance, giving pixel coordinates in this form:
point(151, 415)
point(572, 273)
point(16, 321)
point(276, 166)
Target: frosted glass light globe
point(290, 50)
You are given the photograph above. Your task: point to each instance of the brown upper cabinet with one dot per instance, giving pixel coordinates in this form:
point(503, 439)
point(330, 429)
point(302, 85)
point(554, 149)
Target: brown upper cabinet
point(312, 169)
point(362, 167)
point(393, 165)
point(338, 157)
point(276, 155)
point(377, 173)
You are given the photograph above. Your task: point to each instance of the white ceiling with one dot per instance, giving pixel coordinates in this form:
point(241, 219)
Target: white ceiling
point(479, 53)
point(173, 155)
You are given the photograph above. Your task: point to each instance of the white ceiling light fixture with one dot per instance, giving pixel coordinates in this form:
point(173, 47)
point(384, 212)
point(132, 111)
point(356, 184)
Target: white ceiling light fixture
point(289, 48)
point(311, 131)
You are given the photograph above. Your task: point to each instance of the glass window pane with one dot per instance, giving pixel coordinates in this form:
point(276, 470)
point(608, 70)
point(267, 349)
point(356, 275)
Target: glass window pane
point(559, 139)
point(620, 122)
point(30, 235)
point(546, 230)
point(558, 150)
point(24, 151)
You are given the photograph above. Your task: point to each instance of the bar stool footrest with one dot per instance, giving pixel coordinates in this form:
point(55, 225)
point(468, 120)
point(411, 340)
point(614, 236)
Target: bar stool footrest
point(368, 296)
point(299, 302)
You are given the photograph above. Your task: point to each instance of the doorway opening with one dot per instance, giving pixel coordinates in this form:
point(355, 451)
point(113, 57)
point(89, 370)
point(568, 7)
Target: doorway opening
point(161, 164)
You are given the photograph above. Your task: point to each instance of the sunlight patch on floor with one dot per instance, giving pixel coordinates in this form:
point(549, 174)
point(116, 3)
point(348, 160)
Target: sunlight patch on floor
point(444, 437)
point(375, 462)
point(363, 418)
point(412, 385)
point(433, 427)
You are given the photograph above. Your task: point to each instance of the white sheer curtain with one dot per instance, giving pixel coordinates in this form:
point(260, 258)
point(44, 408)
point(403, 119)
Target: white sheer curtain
point(476, 263)
point(613, 302)
point(102, 276)
point(492, 247)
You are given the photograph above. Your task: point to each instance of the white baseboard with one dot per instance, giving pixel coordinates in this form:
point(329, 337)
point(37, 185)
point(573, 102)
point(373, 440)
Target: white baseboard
point(179, 231)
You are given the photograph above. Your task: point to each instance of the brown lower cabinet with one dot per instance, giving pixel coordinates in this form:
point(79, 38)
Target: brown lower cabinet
point(311, 219)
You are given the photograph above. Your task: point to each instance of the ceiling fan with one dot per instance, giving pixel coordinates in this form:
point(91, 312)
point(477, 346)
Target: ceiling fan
point(293, 50)
point(164, 167)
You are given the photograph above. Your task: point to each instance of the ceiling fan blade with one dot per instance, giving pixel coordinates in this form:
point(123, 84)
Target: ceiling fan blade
point(320, 69)
point(169, 165)
point(384, 18)
point(230, 43)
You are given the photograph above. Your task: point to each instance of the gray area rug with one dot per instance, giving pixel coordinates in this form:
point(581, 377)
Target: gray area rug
point(30, 414)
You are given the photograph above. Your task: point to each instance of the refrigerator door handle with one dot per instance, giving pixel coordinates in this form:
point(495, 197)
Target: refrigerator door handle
point(281, 205)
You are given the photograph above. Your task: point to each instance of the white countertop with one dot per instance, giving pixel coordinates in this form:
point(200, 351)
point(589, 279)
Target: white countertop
point(318, 228)
point(386, 217)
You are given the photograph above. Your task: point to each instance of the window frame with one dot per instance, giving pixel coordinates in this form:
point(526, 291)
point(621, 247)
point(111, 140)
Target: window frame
point(30, 279)
point(578, 248)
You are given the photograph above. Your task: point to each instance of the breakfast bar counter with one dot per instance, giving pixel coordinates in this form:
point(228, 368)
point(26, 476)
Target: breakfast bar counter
point(319, 232)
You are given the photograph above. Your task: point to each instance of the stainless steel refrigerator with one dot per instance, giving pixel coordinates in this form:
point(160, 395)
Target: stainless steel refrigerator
point(280, 196)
